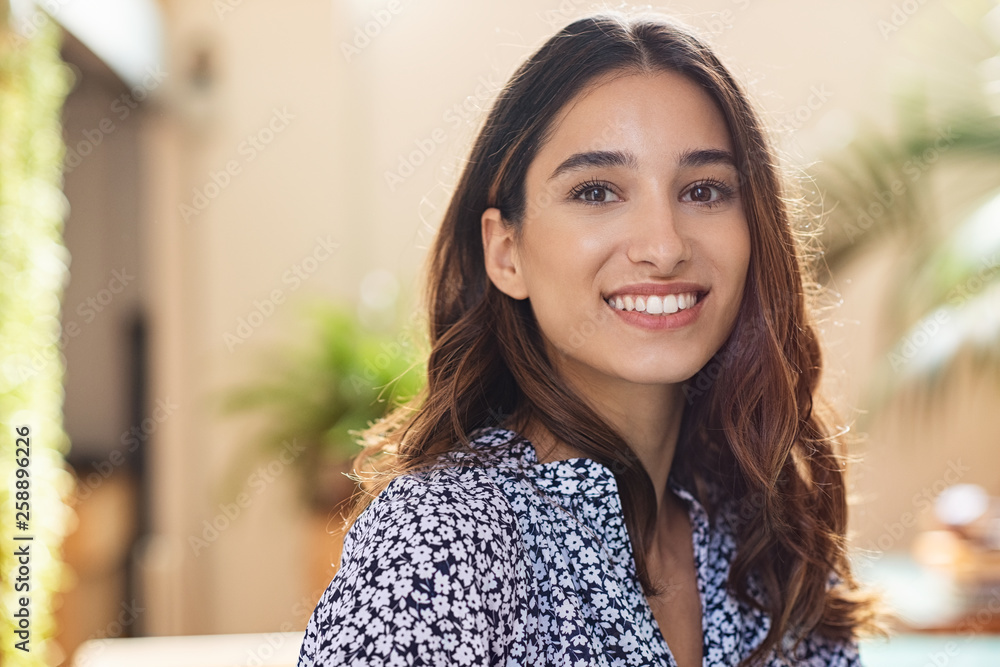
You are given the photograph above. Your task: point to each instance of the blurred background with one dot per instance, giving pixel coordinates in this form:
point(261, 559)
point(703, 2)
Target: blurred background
point(213, 217)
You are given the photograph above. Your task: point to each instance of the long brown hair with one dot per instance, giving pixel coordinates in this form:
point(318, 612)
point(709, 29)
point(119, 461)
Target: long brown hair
point(753, 425)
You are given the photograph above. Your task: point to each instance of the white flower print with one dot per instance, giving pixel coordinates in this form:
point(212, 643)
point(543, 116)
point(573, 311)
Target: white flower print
point(501, 560)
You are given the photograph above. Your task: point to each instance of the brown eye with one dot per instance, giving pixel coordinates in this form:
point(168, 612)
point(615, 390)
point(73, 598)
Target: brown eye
point(709, 193)
point(701, 193)
point(595, 194)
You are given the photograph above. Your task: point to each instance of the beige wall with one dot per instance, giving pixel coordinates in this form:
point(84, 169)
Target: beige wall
point(102, 233)
point(324, 175)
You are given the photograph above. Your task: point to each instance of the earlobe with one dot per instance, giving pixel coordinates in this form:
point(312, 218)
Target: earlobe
point(500, 255)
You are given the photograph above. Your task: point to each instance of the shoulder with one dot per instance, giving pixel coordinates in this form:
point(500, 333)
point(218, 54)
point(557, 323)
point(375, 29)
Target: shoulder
point(454, 519)
point(457, 504)
point(434, 561)
point(462, 499)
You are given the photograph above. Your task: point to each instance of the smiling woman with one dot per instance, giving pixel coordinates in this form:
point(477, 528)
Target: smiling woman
point(556, 495)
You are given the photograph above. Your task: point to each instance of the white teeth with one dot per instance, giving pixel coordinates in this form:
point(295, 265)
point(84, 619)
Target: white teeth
point(654, 304)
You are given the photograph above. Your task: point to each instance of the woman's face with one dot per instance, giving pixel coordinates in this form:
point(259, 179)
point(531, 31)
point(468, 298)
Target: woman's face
point(632, 205)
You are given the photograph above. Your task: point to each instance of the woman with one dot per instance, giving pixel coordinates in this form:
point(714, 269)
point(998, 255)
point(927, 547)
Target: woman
point(619, 457)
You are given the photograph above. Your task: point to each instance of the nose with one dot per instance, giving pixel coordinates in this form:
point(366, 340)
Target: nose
point(656, 238)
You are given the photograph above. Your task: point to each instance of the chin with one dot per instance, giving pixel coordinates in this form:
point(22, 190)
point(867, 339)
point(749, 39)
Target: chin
point(661, 376)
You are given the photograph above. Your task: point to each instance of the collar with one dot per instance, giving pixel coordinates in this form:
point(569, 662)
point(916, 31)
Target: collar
point(589, 491)
point(585, 487)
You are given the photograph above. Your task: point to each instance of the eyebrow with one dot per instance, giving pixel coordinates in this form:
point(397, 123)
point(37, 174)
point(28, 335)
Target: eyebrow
point(691, 158)
point(596, 159)
point(706, 156)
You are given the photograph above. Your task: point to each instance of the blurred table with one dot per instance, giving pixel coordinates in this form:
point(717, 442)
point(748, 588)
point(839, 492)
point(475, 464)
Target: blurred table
point(938, 650)
point(929, 600)
point(267, 649)
point(942, 626)
point(281, 649)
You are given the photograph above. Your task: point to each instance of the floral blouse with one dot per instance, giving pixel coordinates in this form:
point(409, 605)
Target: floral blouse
point(520, 563)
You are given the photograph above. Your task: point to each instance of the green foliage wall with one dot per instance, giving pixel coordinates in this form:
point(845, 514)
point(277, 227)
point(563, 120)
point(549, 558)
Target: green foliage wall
point(33, 269)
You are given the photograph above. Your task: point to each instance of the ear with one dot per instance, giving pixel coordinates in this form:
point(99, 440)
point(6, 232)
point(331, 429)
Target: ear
point(500, 254)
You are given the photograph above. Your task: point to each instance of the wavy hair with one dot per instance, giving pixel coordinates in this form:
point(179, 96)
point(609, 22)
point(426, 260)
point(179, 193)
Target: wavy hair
point(753, 425)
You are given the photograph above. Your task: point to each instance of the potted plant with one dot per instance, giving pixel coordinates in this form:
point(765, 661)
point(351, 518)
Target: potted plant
point(322, 390)
point(318, 392)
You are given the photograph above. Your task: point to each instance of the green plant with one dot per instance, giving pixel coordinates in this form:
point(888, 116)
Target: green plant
point(319, 391)
point(930, 190)
point(33, 267)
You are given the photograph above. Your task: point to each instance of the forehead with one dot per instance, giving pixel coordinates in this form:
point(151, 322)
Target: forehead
point(656, 115)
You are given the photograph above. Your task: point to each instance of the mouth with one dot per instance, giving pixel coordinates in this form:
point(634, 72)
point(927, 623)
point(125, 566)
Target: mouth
point(656, 304)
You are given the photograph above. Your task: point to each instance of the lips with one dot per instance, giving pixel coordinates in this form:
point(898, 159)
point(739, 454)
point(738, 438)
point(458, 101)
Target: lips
point(658, 306)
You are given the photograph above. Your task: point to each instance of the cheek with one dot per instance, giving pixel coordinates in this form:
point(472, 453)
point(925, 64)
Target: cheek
point(740, 266)
point(726, 248)
point(735, 260)
point(730, 256)
point(559, 256)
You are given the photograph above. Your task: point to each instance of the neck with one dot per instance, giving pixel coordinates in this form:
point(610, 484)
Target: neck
point(649, 419)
